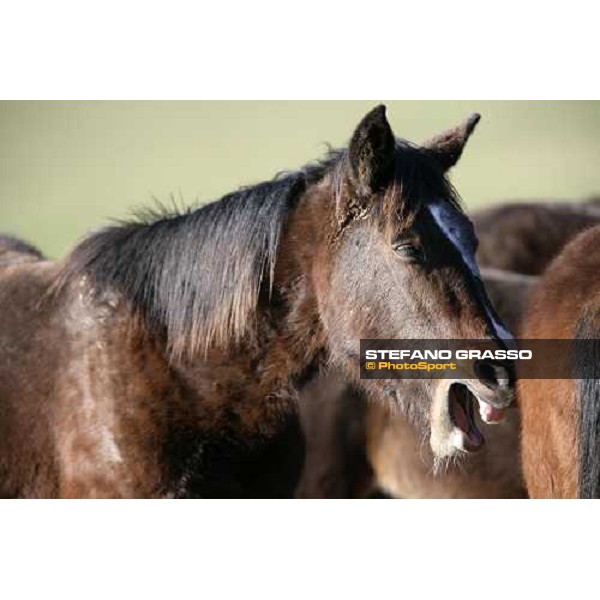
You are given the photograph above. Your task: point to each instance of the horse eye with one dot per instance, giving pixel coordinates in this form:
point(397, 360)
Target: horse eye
point(409, 252)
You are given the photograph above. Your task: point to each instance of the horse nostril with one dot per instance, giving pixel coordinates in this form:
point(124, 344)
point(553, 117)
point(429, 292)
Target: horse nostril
point(494, 374)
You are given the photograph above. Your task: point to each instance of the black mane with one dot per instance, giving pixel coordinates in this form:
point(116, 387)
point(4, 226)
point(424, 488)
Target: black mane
point(196, 275)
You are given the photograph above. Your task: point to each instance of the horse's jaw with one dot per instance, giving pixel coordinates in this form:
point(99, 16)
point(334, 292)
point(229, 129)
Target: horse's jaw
point(453, 425)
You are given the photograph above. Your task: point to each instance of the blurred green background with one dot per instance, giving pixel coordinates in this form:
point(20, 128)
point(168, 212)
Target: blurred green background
point(67, 167)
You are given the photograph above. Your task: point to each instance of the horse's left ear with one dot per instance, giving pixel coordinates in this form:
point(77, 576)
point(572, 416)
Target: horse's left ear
point(448, 147)
point(371, 152)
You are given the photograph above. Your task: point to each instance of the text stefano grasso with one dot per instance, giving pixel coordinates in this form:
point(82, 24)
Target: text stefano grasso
point(462, 354)
point(526, 358)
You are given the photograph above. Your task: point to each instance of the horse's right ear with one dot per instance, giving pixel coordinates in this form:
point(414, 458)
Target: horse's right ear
point(447, 147)
point(371, 153)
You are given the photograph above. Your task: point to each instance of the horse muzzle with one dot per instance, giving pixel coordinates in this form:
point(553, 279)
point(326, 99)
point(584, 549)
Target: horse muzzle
point(454, 425)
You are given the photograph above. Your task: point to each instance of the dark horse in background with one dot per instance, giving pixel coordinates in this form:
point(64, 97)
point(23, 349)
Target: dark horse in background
point(524, 237)
point(161, 357)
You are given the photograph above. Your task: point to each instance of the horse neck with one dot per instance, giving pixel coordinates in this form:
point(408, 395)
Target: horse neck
point(288, 337)
point(301, 274)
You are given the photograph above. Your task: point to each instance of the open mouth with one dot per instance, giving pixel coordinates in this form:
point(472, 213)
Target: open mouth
point(461, 404)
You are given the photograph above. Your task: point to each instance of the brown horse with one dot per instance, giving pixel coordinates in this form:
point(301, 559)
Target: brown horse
point(561, 417)
point(161, 357)
point(354, 448)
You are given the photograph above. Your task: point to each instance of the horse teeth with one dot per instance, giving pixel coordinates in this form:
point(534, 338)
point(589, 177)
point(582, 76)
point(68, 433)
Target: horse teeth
point(484, 411)
point(489, 414)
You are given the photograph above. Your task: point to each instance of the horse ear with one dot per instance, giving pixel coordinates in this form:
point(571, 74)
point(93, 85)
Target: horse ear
point(371, 152)
point(448, 147)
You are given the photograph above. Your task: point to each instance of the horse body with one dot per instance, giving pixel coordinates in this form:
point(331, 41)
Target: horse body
point(26, 445)
point(553, 413)
point(105, 413)
point(333, 416)
point(161, 357)
point(524, 237)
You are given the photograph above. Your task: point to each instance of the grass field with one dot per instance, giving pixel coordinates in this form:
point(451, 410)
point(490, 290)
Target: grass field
point(66, 167)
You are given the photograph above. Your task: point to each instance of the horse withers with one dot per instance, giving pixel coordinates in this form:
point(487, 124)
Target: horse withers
point(161, 357)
